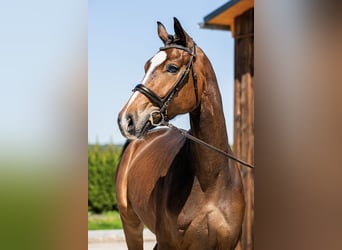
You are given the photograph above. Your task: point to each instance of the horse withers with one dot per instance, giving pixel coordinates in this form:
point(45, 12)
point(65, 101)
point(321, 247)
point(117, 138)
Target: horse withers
point(189, 196)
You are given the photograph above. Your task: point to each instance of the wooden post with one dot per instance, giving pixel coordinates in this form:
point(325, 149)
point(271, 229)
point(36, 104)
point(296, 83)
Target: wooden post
point(244, 115)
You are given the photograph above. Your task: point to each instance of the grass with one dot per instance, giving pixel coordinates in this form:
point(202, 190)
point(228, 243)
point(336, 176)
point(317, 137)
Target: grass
point(107, 220)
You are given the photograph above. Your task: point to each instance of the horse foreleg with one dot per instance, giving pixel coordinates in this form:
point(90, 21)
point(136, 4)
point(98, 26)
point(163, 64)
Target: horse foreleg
point(133, 229)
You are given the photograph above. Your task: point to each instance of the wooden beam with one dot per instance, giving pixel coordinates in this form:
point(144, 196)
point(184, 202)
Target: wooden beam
point(244, 116)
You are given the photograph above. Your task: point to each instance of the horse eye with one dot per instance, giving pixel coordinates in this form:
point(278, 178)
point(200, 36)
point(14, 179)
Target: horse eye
point(171, 68)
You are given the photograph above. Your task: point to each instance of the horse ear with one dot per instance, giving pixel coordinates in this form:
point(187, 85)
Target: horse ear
point(162, 33)
point(180, 33)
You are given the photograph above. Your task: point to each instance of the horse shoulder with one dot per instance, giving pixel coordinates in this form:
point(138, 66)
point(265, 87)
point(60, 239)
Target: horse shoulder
point(144, 162)
point(122, 173)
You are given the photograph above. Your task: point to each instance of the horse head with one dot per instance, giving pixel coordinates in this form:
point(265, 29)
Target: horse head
point(169, 86)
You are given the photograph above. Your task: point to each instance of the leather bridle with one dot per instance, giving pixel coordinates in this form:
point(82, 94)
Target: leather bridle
point(163, 102)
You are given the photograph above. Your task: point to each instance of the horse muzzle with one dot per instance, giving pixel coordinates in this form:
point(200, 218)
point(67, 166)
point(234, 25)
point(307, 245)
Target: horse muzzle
point(133, 127)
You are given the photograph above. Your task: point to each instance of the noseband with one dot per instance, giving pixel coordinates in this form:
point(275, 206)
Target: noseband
point(164, 102)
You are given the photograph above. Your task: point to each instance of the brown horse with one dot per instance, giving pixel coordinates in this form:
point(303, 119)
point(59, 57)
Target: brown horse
point(189, 196)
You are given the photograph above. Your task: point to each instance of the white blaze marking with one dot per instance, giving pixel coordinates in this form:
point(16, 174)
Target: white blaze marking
point(158, 59)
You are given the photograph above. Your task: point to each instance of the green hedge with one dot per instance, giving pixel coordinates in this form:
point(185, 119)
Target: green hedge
point(102, 163)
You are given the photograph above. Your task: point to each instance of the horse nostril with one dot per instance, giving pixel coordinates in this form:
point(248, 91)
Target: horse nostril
point(130, 125)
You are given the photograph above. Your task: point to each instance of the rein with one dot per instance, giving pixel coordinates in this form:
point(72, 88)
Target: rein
point(199, 141)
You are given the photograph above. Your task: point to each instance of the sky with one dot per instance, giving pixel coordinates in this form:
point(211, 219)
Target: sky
point(122, 36)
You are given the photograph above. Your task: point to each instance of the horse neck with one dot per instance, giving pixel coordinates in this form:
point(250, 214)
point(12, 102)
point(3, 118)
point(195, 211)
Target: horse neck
point(208, 124)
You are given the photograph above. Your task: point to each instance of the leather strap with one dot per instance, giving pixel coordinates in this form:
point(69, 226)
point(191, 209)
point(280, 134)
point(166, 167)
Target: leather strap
point(195, 139)
point(149, 94)
point(177, 47)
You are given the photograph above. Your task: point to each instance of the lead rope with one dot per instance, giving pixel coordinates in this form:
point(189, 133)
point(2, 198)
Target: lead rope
point(187, 135)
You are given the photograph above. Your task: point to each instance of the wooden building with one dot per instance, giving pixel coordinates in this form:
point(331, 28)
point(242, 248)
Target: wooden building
point(237, 16)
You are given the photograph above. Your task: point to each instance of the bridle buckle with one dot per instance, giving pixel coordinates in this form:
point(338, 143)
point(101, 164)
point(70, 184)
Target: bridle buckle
point(157, 115)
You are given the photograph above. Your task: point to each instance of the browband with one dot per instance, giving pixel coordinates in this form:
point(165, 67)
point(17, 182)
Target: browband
point(177, 47)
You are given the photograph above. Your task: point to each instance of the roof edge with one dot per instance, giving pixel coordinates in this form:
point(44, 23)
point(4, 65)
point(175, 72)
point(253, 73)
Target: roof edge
point(219, 10)
point(214, 26)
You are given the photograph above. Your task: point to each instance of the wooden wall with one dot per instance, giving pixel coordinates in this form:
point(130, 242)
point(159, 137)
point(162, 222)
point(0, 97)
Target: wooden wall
point(244, 115)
